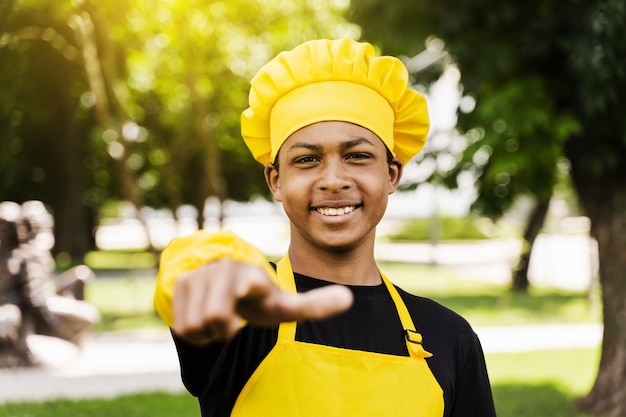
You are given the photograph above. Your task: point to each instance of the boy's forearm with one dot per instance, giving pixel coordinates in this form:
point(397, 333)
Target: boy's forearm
point(187, 253)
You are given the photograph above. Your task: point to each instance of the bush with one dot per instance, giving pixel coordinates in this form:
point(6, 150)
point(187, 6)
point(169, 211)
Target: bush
point(442, 228)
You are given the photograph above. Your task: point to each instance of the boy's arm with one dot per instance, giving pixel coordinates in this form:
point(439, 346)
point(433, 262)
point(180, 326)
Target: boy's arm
point(185, 254)
point(209, 284)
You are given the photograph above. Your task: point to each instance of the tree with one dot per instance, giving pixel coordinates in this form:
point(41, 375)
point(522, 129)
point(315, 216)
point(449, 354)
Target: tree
point(550, 83)
point(191, 83)
point(43, 127)
point(149, 93)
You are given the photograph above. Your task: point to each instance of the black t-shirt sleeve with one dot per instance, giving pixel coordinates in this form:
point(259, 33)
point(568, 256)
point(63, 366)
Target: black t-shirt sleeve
point(216, 373)
point(472, 397)
point(196, 363)
point(458, 361)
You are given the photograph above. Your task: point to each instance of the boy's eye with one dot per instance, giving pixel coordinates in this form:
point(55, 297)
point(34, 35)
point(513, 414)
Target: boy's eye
point(305, 160)
point(358, 156)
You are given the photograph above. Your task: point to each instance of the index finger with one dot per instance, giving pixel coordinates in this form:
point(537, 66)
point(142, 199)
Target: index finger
point(281, 306)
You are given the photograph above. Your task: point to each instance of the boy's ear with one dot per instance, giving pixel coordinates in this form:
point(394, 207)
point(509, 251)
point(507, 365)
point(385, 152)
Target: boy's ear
point(271, 178)
point(395, 174)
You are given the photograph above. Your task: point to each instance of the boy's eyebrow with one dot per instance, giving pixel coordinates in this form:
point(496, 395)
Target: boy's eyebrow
point(354, 142)
point(344, 145)
point(305, 145)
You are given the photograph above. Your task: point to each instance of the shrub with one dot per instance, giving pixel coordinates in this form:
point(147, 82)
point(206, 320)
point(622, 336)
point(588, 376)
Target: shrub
point(441, 228)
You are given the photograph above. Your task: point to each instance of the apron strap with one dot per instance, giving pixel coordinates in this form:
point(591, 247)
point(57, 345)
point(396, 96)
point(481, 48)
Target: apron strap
point(286, 281)
point(413, 338)
point(287, 330)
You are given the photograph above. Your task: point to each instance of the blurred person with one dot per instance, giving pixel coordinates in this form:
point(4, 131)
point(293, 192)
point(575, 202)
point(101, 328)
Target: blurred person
point(323, 332)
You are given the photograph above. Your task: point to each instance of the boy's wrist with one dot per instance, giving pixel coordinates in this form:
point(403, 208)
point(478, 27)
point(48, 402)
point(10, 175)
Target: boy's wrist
point(184, 254)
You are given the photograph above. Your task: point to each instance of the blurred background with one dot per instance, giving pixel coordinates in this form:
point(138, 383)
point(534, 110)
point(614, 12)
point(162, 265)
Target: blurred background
point(122, 118)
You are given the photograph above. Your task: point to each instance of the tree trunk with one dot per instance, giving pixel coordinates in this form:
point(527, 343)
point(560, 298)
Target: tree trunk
point(605, 203)
point(212, 184)
point(533, 227)
point(72, 221)
point(110, 106)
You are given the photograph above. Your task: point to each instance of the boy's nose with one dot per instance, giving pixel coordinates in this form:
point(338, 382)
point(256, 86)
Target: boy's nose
point(334, 177)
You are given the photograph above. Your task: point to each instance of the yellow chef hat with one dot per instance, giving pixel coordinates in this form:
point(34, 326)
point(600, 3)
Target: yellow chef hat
point(334, 80)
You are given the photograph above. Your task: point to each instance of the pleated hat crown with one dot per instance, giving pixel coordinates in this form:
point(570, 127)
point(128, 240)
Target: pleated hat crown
point(334, 80)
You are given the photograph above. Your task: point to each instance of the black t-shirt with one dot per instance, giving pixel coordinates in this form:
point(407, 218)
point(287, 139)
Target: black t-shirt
point(217, 373)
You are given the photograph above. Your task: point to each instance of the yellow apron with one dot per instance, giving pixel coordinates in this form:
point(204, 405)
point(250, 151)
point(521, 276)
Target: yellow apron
point(305, 379)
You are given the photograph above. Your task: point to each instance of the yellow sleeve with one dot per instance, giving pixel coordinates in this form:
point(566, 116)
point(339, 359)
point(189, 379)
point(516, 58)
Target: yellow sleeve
point(190, 252)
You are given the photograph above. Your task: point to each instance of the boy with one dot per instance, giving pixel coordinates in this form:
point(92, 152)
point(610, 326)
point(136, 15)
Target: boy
point(323, 332)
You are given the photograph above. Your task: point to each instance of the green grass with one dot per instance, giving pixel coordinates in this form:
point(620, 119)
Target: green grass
point(541, 383)
point(529, 384)
point(571, 370)
point(535, 400)
point(125, 301)
point(154, 404)
point(485, 304)
point(120, 259)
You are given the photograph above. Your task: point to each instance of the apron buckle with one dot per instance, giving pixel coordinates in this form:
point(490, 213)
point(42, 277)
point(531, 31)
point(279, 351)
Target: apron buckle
point(413, 336)
point(414, 344)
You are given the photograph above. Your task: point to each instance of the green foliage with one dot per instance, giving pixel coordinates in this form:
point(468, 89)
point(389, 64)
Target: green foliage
point(439, 228)
point(138, 100)
point(188, 82)
point(547, 80)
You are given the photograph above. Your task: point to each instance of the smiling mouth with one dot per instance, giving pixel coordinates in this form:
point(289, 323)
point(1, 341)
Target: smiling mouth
point(332, 211)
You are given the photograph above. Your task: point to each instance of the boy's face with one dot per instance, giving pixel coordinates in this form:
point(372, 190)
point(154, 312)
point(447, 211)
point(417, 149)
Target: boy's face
point(334, 181)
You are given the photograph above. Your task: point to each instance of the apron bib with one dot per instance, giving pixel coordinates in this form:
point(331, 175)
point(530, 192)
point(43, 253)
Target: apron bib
point(306, 379)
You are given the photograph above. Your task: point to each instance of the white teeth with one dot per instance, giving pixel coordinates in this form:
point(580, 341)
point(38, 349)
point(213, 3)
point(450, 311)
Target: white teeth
point(335, 211)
